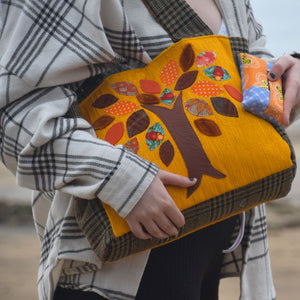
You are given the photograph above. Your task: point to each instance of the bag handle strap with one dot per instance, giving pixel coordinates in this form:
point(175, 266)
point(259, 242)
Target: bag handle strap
point(177, 18)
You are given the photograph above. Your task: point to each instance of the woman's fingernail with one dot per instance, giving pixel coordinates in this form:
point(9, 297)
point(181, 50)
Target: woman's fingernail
point(273, 76)
point(192, 178)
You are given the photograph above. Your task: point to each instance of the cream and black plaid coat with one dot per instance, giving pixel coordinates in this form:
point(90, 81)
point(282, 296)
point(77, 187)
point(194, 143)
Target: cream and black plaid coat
point(48, 48)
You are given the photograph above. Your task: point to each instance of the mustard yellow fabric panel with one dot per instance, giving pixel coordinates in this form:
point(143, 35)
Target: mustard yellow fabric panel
point(183, 112)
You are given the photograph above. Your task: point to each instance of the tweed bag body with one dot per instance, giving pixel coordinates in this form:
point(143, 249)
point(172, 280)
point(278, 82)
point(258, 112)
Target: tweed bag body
point(183, 112)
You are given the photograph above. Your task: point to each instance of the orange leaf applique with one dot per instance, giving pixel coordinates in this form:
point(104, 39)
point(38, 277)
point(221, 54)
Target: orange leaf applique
point(115, 133)
point(150, 86)
point(122, 108)
point(169, 73)
point(206, 89)
point(233, 92)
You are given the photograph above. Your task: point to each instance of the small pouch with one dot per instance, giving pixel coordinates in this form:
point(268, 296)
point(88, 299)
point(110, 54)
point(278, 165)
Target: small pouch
point(261, 97)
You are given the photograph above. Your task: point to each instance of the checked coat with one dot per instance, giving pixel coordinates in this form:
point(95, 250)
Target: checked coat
point(48, 49)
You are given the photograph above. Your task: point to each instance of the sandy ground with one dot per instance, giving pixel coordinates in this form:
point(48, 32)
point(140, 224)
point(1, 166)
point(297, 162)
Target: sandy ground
point(19, 246)
point(20, 253)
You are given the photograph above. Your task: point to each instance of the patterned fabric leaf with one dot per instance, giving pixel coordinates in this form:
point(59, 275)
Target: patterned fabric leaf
point(217, 73)
point(169, 73)
point(132, 145)
point(167, 97)
point(154, 136)
point(105, 101)
point(122, 108)
point(150, 86)
point(198, 107)
point(103, 122)
point(206, 89)
point(187, 58)
point(137, 123)
point(186, 80)
point(115, 133)
point(125, 88)
point(233, 92)
point(166, 153)
point(205, 58)
point(208, 127)
point(148, 99)
point(224, 107)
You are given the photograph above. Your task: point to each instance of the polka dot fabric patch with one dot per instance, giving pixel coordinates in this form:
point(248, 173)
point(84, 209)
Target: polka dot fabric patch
point(122, 108)
point(206, 89)
point(170, 72)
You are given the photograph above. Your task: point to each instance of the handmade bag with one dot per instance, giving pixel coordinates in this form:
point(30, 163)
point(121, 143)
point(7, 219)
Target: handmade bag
point(183, 112)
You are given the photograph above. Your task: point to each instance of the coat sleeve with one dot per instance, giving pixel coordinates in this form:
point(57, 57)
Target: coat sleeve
point(46, 150)
point(257, 39)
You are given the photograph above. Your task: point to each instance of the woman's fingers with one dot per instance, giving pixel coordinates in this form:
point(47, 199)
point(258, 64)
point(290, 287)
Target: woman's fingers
point(288, 68)
point(283, 64)
point(291, 100)
point(175, 179)
point(156, 214)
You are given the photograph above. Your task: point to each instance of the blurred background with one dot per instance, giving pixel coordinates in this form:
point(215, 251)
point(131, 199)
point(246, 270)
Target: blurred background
point(19, 247)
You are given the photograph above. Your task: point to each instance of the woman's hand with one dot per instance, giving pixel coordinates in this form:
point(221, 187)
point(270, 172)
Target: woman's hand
point(156, 214)
point(289, 68)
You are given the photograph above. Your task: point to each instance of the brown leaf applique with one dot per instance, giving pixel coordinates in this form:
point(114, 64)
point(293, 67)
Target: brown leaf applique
point(186, 80)
point(166, 153)
point(187, 58)
point(137, 123)
point(207, 127)
point(103, 122)
point(105, 101)
point(224, 107)
point(115, 133)
point(148, 99)
point(150, 86)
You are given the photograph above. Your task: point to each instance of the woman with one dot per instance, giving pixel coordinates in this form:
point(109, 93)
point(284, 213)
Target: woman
point(48, 51)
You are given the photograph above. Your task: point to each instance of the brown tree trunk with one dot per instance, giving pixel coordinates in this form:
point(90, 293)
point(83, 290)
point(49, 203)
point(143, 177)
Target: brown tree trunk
point(190, 147)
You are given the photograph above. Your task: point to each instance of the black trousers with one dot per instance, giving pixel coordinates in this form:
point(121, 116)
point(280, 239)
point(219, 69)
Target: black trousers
point(185, 269)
